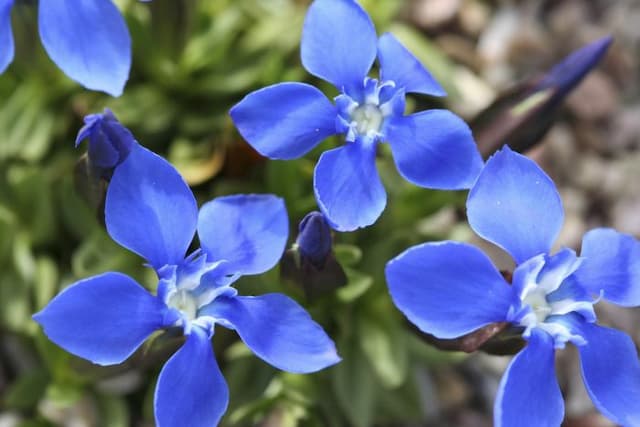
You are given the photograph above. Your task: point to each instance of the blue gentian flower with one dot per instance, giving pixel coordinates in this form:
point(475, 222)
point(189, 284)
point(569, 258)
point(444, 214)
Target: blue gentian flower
point(109, 141)
point(432, 148)
point(450, 289)
point(151, 211)
point(88, 40)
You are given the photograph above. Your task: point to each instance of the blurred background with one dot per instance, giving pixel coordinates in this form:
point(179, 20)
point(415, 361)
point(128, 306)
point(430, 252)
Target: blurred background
point(192, 60)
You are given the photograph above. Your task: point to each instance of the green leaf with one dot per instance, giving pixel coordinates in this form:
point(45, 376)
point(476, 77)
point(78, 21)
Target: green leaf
point(58, 363)
point(7, 230)
point(357, 284)
point(32, 201)
point(286, 179)
point(64, 395)
point(347, 255)
point(98, 253)
point(23, 259)
point(76, 215)
point(382, 11)
point(354, 385)
point(113, 411)
point(46, 281)
point(26, 127)
point(25, 393)
point(247, 378)
point(383, 343)
point(15, 310)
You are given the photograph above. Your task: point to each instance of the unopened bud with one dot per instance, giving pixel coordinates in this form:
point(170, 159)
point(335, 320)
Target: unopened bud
point(522, 115)
point(311, 264)
point(109, 142)
point(314, 238)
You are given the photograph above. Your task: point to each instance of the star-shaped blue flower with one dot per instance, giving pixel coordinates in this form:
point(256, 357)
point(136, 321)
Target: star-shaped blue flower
point(449, 289)
point(433, 148)
point(151, 211)
point(87, 39)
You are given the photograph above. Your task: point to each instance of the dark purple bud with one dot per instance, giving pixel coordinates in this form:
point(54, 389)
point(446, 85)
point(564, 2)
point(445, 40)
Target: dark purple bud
point(565, 75)
point(310, 264)
point(109, 145)
point(522, 115)
point(109, 142)
point(314, 238)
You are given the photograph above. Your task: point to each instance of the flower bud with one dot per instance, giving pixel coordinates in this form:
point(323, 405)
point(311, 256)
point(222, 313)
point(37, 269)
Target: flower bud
point(522, 115)
point(314, 238)
point(109, 145)
point(109, 142)
point(310, 263)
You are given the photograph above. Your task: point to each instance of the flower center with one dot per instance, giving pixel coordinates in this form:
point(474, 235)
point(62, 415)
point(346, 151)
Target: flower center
point(185, 302)
point(362, 114)
point(192, 285)
point(540, 307)
point(550, 299)
point(368, 119)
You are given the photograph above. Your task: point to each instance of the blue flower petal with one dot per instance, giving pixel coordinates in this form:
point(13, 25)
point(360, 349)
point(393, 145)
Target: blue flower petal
point(90, 42)
point(399, 65)
point(435, 149)
point(611, 265)
point(448, 289)
point(529, 395)
point(149, 209)
point(611, 373)
point(338, 43)
point(191, 390)
point(248, 231)
point(286, 120)
point(277, 330)
point(6, 35)
point(104, 318)
point(515, 205)
point(347, 186)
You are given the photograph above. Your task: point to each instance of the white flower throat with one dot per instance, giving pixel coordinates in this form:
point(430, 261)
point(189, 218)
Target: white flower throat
point(549, 299)
point(368, 119)
point(363, 116)
point(192, 286)
point(183, 301)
